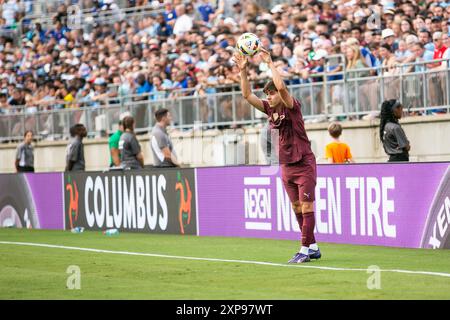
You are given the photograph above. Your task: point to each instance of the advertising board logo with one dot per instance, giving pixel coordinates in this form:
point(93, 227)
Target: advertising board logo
point(72, 212)
point(436, 233)
point(184, 201)
point(258, 208)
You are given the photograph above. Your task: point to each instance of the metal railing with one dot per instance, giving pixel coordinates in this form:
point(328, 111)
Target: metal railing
point(349, 97)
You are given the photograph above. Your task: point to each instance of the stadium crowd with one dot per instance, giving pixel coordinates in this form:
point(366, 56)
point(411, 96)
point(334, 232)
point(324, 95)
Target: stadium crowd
point(187, 48)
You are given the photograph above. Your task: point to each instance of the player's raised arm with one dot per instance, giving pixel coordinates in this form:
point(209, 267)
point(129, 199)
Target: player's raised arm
point(277, 80)
point(242, 62)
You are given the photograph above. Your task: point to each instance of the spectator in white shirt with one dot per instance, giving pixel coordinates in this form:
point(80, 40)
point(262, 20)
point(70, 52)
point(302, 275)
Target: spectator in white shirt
point(184, 22)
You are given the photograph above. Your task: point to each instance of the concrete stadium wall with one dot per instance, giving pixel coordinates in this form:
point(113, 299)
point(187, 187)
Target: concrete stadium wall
point(429, 137)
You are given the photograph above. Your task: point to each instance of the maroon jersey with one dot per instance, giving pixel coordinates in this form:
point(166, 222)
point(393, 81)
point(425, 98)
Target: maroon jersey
point(293, 141)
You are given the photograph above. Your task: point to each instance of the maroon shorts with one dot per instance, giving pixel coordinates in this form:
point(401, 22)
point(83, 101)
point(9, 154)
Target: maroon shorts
point(300, 179)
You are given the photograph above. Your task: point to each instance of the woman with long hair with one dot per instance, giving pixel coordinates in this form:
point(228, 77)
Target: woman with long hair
point(395, 142)
point(355, 61)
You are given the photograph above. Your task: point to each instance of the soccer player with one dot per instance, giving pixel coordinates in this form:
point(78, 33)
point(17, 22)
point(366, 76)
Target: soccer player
point(395, 142)
point(297, 161)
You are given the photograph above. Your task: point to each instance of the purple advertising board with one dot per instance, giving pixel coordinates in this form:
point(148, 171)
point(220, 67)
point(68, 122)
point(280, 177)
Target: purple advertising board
point(33, 201)
point(398, 205)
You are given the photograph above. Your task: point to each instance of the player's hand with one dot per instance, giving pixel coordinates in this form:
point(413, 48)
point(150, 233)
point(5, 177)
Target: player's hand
point(265, 55)
point(240, 60)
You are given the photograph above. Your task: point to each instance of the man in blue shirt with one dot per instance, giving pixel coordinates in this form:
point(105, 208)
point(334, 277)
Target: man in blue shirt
point(205, 9)
point(169, 13)
point(422, 55)
point(143, 85)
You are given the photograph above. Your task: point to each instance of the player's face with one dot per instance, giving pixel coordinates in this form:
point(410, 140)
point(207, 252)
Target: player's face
point(274, 98)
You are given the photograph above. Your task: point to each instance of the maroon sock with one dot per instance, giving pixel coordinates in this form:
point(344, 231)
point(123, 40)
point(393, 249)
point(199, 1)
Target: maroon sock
point(309, 222)
point(299, 217)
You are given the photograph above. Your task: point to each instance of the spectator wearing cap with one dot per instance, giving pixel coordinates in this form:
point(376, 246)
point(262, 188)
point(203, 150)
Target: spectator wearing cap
point(388, 37)
point(436, 24)
point(101, 93)
point(318, 63)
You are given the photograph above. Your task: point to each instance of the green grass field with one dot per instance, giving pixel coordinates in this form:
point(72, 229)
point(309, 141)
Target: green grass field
point(29, 272)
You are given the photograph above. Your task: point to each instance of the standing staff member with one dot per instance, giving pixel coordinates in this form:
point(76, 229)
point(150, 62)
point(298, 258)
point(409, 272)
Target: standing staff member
point(130, 149)
point(297, 161)
point(162, 148)
point(114, 159)
point(25, 154)
point(75, 149)
point(394, 140)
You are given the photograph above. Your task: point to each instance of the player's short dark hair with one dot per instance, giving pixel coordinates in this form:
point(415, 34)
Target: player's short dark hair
point(335, 130)
point(161, 113)
point(270, 86)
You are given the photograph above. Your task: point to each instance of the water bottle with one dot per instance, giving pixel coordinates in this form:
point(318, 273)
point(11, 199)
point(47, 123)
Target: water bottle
point(111, 232)
point(77, 230)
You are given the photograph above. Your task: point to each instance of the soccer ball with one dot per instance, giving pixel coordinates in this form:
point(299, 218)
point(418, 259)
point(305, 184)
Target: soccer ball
point(248, 44)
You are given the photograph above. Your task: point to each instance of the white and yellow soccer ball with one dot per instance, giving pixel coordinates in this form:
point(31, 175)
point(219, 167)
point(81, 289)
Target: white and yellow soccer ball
point(248, 44)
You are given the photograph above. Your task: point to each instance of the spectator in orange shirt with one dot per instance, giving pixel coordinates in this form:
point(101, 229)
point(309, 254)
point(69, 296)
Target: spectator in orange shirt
point(337, 151)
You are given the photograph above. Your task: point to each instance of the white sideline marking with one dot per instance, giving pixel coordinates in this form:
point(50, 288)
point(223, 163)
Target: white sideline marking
point(440, 274)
